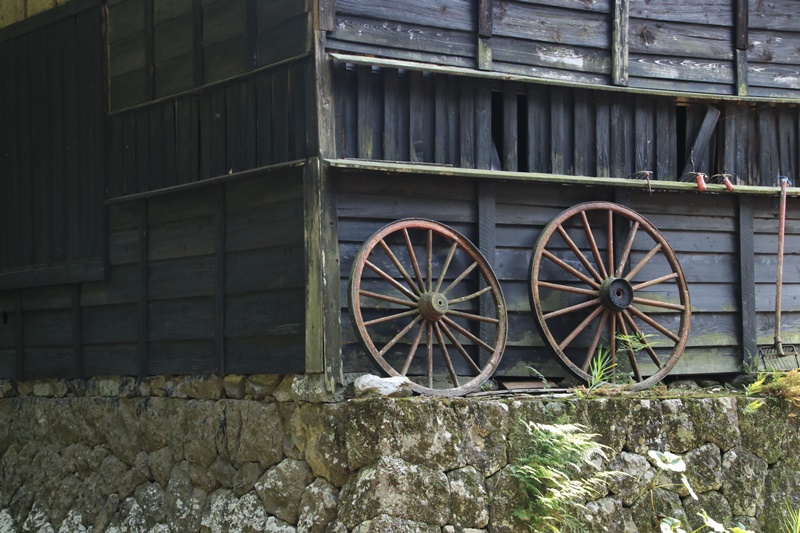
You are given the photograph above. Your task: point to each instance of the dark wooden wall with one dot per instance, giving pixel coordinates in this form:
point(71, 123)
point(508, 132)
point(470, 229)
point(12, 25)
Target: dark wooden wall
point(52, 144)
point(712, 46)
point(257, 120)
point(206, 280)
point(704, 231)
point(162, 47)
point(399, 115)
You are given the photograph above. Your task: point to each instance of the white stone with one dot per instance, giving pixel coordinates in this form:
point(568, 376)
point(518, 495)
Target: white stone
point(393, 387)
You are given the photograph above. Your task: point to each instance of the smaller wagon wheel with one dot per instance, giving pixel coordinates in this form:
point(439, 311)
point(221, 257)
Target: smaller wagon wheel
point(633, 299)
point(425, 304)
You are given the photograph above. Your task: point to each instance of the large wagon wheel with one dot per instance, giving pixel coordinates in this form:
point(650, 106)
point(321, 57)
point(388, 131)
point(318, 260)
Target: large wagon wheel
point(587, 294)
point(426, 304)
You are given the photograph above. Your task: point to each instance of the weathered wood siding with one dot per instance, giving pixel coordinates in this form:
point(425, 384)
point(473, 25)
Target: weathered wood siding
point(398, 115)
point(205, 280)
point(254, 121)
point(703, 230)
point(708, 47)
point(52, 145)
point(163, 47)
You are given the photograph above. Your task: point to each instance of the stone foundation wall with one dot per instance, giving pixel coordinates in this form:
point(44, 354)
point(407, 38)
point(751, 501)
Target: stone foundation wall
point(254, 454)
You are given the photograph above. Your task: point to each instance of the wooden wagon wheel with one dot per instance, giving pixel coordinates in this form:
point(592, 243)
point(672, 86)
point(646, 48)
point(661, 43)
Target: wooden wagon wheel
point(634, 297)
point(426, 304)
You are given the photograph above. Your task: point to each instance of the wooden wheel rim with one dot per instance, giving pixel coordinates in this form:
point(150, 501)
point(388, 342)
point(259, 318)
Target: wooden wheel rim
point(615, 311)
point(430, 310)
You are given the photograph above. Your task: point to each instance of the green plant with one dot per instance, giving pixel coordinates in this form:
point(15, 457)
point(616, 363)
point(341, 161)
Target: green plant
point(551, 468)
point(791, 523)
point(535, 373)
point(602, 369)
point(784, 385)
point(752, 407)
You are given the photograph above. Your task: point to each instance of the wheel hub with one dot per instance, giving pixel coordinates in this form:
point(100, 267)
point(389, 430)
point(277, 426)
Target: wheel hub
point(433, 306)
point(616, 293)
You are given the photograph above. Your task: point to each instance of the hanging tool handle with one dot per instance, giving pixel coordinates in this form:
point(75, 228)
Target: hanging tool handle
point(784, 182)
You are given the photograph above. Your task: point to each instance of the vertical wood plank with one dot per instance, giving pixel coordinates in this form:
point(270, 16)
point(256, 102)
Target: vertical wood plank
point(156, 148)
point(40, 176)
point(251, 33)
point(484, 59)
point(23, 204)
point(7, 136)
point(418, 119)
point(220, 224)
point(197, 43)
point(440, 96)
point(538, 124)
point(391, 120)
point(327, 15)
point(562, 132)
point(742, 23)
point(143, 303)
point(484, 144)
point(747, 286)
point(149, 49)
point(169, 137)
point(742, 83)
point(619, 43)
point(467, 120)
point(485, 18)
point(280, 115)
point(77, 341)
point(264, 119)
point(702, 141)
point(297, 110)
point(645, 135)
point(510, 128)
point(142, 149)
point(768, 154)
point(366, 122)
point(331, 305)
point(19, 337)
point(314, 265)
point(666, 147)
point(585, 144)
point(621, 137)
point(487, 243)
point(787, 145)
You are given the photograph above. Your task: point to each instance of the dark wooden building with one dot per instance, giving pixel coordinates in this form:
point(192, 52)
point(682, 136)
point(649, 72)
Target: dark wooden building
point(186, 183)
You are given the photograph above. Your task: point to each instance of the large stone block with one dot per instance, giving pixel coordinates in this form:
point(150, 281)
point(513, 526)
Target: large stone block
point(395, 488)
point(282, 486)
point(743, 476)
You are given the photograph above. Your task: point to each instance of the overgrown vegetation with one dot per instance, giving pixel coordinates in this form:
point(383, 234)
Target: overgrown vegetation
point(553, 469)
point(778, 384)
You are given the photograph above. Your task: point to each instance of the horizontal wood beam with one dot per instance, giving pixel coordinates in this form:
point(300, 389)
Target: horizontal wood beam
point(380, 168)
point(492, 75)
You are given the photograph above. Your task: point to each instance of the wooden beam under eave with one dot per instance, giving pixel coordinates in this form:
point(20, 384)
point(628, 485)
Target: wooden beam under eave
point(619, 43)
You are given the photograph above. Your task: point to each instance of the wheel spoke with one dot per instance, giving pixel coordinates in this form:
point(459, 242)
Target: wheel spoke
point(460, 278)
point(397, 263)
point(391, 281)
point(653, 251)
point(642, 339)
point(575, 332)
point(610, 240)
point(656, 281)
point(637, 374)
point(627, 250)
point(570, 309)
point(414, 263)
point(399, 336)
point(471, 316)
point(587, 229)
point(389, 318)
point(430, 260)
point(470, 296)
point(446, 265)
point(612, 338)
point(567, 288)
point(572, 270)
point(578, 253)
point(657, 303)
point(412, 351)
point(460, 348)
point(595, 341)
point(386, 298)
point(467, 333)
point(667, 333)
point(429, 329)
point(450, 368)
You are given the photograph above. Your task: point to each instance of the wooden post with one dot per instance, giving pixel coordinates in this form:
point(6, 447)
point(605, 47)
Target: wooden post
point(742, 38)
point(485, 34)
point(747, 287)
point(619, 43)
point(314, 257)
point(701, 142)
